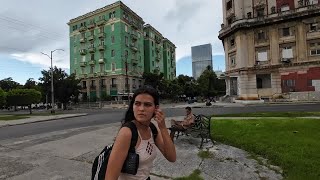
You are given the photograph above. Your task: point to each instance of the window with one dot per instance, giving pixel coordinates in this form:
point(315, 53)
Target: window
point(112, 39)
point(113, 66)
point(260, 12)
point(314, 49)
point(152, 63)
point(83, 35)
point(229, 5)
point(125, 28)
point(101, 17)
point(101, 29)
point(126, 53)
point(285, 31)
point(83, 58)
point(82, 70)
point(112, 14)
point(289, 83)
point(101, 67)
point(92, 69)
point(263, 81)
point(92, 32)
point(313, 27)
point(152, 43)
point(84, 84)
point(113, 53)
point(75, 27)
point(113, 81)
point(309, 82)
point(126, 41)
point(262, 55)
point(232, 60)
point(112, 27)
point(92, 57)
point(152, 53)
point(101, 55)
point(93, 83)
point(285, 8)
point(261, 35)
point(232, 42)
point(287, 52)
point(102, 42)
point(75, 61)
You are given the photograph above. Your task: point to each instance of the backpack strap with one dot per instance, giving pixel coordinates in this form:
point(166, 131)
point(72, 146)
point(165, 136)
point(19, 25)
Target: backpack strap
point(154, 131)
point(134, 137)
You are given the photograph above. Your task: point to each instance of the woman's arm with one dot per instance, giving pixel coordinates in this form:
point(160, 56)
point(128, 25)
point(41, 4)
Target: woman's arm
point(118, 154)
point(163, 141)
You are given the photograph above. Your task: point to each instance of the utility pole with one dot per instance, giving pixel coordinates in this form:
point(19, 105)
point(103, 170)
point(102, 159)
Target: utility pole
point(52, 89)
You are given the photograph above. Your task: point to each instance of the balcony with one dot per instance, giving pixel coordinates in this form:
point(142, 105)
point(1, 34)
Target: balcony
point(92, 49)
point(92, 62)
point(83, 40)
point(82, 76)
point(157, 49)
point(135, 62)
point(82, 28)
point(101, 47)
point(83, 64)
point(93, 87)
point(101, 60)
point(83, 52)
point(91, 37)
point(158, 58)
point(101, 22)
point(92, 25)
point(134, 36)
point(133, 47)
point(158, 40)
point(134, 86)
point(134, 25)
point(101, 35)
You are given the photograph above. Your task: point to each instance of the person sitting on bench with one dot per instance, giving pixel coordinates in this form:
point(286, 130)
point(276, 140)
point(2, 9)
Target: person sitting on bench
point(182, 125)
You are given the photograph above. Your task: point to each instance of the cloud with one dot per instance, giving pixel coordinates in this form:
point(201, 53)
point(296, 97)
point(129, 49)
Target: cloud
point(40, 26)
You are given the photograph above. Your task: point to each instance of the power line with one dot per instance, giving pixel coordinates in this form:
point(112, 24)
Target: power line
point(24, 24)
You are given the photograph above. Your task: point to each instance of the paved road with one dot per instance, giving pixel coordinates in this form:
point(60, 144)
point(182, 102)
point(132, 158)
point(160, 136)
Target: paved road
point(106, 116)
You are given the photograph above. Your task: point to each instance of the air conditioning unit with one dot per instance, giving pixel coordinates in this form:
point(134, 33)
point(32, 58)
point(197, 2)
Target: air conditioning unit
point(286, 60)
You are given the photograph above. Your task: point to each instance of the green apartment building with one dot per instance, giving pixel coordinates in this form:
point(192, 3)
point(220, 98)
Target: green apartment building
point(107, 51)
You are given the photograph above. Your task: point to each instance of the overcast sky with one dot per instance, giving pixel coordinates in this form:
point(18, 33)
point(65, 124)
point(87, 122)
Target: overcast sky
point(28, 27)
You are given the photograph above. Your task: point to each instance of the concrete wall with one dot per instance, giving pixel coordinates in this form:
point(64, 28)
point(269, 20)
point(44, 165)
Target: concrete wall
point(304, 96)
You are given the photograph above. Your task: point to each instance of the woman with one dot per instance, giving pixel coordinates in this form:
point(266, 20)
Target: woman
point(143, 107)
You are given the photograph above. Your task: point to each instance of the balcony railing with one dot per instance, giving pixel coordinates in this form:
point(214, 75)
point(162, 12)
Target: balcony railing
point(101, 47)
point(134, 36)
point(83, 51)
point(91, 37)
point(83, 64)
point(101, 35)
point(83, 40)
point(92, 25)
point(82, 28)
point(92, 62)
point(92, 49)
point(134, 62)
point(133, 47)
point(101, 22)
point(101, 60)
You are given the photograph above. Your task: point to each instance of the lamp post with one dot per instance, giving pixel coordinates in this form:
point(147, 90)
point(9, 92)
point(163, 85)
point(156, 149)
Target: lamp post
point(52, 89)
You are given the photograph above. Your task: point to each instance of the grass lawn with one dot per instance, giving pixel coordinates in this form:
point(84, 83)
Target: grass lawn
point(291, 143)
point(270, 114)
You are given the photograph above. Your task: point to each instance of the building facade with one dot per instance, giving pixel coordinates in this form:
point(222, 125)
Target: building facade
point(169, 59)
point(107, 51)
point(201, 59)
point(271, 46)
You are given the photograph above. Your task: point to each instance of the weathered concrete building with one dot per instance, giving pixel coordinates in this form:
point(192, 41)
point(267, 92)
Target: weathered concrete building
point(271, 47)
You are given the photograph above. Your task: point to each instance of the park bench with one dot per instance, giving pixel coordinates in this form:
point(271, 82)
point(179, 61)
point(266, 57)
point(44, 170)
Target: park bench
point(200, 129)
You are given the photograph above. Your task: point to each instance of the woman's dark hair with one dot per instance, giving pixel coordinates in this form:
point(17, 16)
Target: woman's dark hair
point(143, 90)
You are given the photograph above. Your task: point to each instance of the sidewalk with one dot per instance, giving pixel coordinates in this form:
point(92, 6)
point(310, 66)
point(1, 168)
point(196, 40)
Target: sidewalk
point(34, 119)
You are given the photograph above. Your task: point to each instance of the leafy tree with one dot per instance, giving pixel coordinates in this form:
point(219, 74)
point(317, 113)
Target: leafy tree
point(2, 98)
point(23, 97)
point(207, 81)
point(8, 84)
point(152, 79)
point(65, 86)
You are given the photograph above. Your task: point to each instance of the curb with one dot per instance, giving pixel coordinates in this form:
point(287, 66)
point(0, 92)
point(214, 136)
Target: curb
point(45, 120)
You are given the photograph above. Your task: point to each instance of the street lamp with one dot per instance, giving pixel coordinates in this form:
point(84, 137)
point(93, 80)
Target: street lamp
point(52, 89)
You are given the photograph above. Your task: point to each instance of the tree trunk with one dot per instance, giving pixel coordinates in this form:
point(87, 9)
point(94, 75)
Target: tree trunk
point(30, 110)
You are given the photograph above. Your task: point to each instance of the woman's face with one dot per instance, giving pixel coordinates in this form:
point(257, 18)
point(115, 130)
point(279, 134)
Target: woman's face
point(144, 108)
